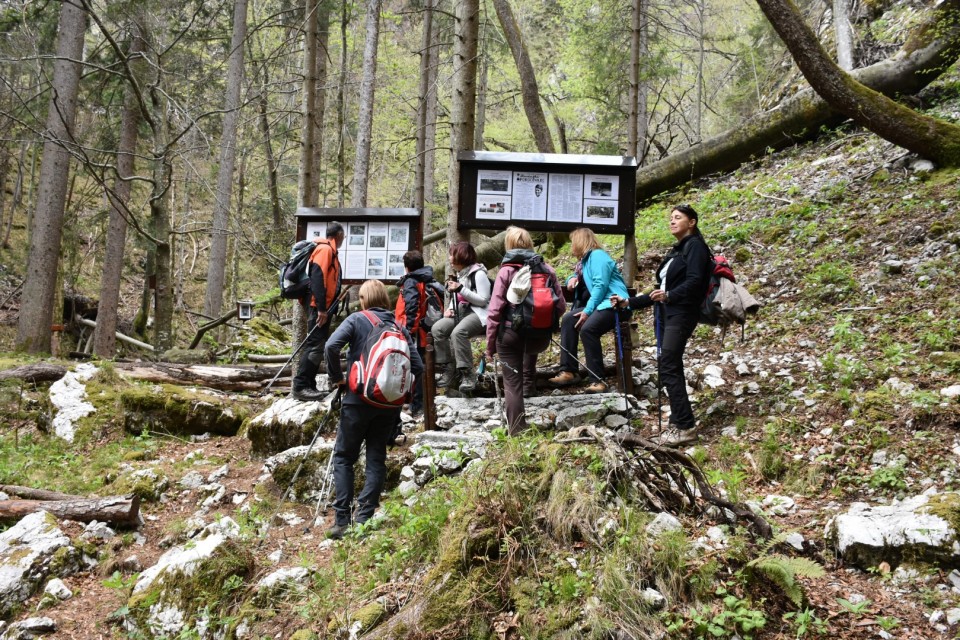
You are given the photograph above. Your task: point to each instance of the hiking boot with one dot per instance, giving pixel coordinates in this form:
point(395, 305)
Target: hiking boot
point(596, 387)
point(672, 436)
point(449, 375)
point(468, 380)
point(336, 531)
point(308, 395)
point(563, 379)
point(529, 391)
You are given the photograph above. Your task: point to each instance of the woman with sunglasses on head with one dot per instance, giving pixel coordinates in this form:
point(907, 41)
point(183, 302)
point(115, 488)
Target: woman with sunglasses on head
point(682, 280)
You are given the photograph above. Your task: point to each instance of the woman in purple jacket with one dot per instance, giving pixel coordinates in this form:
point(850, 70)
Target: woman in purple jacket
point(518, 349)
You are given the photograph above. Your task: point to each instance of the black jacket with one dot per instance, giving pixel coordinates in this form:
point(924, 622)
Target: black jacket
point(354, 331)
point(687, 278)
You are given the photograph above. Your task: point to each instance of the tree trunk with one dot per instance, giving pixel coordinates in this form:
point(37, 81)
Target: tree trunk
point(320, 104)
point(341, 106)
point(307, 197)
point(924, 135)
point(430, 141)
point(105, 341)
point(361, 167)
point(213, 300)
point(926, 54)
point(272, 185)
point(419, 181)
point(29, 493)
point(36, 309)
point(843, 32)
point(33, 373)
point(528, 78)
point(462, 116)
point(483, 64)
point(116, 511)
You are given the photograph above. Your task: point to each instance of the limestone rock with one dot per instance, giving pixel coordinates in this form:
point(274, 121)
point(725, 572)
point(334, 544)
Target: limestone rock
point(29, 629)
point(180, 411)
point(663, 523)
point(868, 535)
point(68, 395)
point(30, 551)
point(283, 465)
point(289, 423)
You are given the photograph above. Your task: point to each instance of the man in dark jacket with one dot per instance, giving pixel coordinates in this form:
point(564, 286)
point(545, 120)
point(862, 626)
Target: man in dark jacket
point(324, 290)
point(361, 422)
point(411, 310)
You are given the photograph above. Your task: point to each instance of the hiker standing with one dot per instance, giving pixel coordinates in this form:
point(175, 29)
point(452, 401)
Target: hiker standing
point(417, 289)
point(465, 318)
point(324, 269)
point(599, 275)
point(682, 280)
point(519, 347)
point(360, 421)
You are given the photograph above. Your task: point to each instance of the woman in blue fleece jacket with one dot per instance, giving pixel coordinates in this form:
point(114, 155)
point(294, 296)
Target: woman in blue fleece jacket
point(597, 278)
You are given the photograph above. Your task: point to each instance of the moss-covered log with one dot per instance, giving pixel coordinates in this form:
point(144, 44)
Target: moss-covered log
point(928, 52)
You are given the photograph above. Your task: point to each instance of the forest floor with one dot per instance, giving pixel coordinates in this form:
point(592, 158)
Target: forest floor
point(855, 256)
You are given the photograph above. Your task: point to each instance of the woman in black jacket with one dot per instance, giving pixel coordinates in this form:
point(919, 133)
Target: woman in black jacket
point(682, 280)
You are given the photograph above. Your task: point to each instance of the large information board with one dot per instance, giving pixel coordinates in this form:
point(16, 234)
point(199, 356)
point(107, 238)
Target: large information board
point(375, 239)
point(547, 192)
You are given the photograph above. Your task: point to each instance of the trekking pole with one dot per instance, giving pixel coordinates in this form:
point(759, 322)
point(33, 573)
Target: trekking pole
point(658, 333)
point(335, 402)
point(292, 356)
point(496, 387)
point(300, 346)
point(579, 361)
point(623, 363)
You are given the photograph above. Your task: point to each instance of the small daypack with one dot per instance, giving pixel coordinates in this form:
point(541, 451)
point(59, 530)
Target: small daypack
point(294, 274)
point(710, 310)
point(383, 375)
point(726, 302)
point(537, 310)
point(431, 304)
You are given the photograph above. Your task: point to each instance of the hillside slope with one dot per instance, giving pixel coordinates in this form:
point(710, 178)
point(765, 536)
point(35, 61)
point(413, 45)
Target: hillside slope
point(840, 393)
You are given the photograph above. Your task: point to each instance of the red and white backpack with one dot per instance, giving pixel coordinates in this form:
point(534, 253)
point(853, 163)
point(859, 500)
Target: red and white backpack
point(383, 374)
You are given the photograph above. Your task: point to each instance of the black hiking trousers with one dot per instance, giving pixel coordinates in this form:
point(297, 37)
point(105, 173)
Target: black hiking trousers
point(359, 423)
point(677, 330)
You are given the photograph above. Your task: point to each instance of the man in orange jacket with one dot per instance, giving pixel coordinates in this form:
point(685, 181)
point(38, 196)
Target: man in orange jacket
point(324, 289)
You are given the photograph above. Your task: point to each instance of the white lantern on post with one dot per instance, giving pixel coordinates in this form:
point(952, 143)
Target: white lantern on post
point(244, 309)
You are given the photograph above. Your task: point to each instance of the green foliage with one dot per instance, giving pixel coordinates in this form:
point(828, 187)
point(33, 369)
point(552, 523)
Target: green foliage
point(806, 622)
point(783, 570)
point(830, 282)
point(890, 478)
point(735, 617)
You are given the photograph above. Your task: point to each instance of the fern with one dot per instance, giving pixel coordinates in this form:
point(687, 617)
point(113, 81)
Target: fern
point(783, 570)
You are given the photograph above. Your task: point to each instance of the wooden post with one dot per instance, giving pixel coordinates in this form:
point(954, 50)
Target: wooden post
point(429, 387)
point(625, 364)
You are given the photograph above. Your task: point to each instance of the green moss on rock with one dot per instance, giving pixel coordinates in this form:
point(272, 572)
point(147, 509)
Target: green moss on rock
point(171, 409)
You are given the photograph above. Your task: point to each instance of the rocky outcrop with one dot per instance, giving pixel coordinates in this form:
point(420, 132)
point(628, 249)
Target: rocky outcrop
point(472, 415)
point(178, 411)
point(290, 423)
point(189, 584)
point(31, 551)
point(917, 529)
point(68, 395)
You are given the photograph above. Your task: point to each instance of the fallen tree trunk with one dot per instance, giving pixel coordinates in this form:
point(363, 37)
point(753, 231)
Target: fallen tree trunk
point(224, 378)
point(39, 372)
point(36, 494)
point(928, 52)
point(116, 510)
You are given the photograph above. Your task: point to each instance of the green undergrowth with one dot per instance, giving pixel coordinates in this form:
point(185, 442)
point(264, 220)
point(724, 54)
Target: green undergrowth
point(549, 536)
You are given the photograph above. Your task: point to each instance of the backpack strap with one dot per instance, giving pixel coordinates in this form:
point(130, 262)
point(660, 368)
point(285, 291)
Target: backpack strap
point(372, 317)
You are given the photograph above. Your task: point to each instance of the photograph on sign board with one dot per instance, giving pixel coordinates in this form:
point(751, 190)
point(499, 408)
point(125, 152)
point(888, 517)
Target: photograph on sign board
point(529, 196)
point(565, 202)
point(316, 230)
point(395, 264)
point(399, 238)
point(489, 181)
point(493, 207)
point(376, 264)
point(357, 235)
point(599, 212)
point(356, 265)
point(603, 187)
point(377, 235)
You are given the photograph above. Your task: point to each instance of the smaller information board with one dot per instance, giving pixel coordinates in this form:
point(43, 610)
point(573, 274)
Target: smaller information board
point(375, 239)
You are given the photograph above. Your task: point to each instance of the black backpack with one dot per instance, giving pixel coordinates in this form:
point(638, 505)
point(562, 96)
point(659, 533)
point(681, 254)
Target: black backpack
point(432, 303)
point(294, 274)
